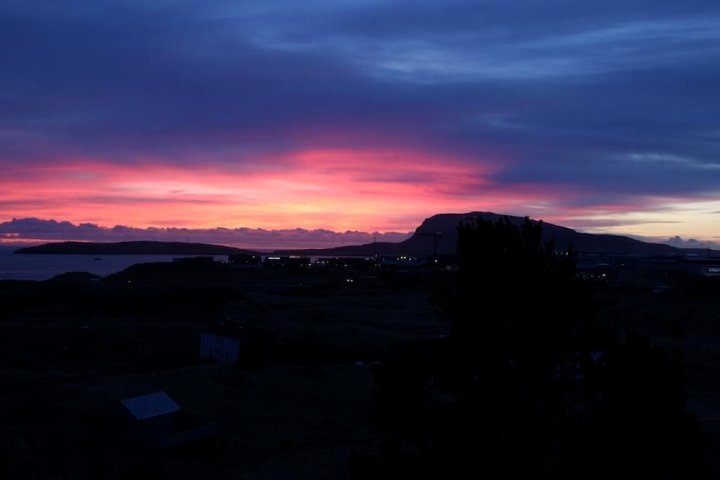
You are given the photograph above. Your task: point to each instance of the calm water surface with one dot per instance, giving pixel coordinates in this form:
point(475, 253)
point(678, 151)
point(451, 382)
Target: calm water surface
point(43, 267)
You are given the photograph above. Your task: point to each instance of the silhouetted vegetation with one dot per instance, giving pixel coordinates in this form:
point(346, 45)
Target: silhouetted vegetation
point(527, 385)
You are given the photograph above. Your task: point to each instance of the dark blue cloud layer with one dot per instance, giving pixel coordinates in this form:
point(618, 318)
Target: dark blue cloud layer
point(617, 97)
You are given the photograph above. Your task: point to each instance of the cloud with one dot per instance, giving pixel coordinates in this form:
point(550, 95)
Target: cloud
point(679, 242)
point(24, 230)
point(579, 106)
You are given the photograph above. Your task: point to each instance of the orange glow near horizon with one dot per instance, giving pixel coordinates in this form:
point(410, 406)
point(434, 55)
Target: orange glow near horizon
point(333, 189)
point(368, 190)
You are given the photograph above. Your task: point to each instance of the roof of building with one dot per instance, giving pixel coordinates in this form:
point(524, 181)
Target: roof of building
point(151, 405)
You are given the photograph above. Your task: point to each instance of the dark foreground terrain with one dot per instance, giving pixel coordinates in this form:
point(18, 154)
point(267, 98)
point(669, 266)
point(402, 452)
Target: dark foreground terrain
point(73, 347)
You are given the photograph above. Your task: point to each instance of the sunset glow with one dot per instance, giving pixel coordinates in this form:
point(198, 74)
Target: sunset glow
point(359, 117)
point(340, 190)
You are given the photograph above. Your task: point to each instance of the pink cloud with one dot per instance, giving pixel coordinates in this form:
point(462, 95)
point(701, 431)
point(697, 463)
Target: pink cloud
point(336, 189)
point(386, 188)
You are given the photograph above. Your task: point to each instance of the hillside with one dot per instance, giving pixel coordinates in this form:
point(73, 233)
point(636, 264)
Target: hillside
point(582, 242)
point(441, 228)
point(445, 224)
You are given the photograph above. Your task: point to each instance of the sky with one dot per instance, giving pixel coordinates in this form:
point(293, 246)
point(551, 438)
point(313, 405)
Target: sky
point(353, 117)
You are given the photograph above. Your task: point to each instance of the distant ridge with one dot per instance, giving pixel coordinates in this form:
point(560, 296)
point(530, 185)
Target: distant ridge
point(444, 226)
point(131, 248)
point(440, 230)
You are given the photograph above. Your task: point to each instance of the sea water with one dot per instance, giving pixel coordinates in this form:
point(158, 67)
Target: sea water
point(42, 267)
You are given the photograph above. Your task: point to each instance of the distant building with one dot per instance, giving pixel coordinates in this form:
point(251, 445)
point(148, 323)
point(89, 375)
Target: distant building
point(702, 267)
point(245, 259)
point(297, 262)
point(401, 261)
point(346, 263)
point(157, 421)
point(712, 270)
point(290, 262)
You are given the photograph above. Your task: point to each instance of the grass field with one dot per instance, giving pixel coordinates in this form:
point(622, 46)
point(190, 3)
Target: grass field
point(71, 350)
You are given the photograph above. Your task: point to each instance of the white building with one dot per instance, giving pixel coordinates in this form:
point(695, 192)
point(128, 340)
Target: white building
point(222, 342)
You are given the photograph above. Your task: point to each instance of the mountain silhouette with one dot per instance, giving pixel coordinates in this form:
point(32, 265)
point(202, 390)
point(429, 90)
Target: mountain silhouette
point(436, 234)
point(441, 230)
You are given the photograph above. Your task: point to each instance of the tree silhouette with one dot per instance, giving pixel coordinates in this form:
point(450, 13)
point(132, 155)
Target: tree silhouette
point(526, 385)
